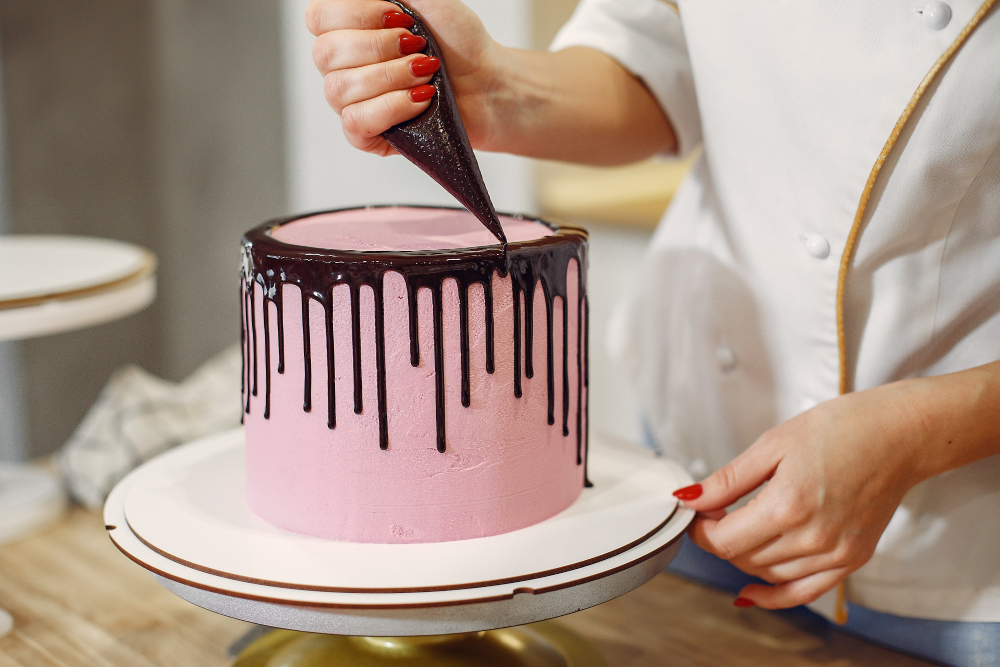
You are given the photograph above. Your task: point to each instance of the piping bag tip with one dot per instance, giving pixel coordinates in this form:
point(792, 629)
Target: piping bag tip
point(436, 141)
point(496, 229)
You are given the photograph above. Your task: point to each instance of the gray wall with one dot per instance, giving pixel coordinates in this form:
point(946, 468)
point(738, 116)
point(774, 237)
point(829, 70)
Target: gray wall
point(152, 121)
point(222, 170)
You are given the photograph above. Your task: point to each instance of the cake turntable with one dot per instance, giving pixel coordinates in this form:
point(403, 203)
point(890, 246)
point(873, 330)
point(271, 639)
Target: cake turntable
point(182, 516)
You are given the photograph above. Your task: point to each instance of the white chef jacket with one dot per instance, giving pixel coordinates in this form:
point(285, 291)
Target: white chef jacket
point(851, 173)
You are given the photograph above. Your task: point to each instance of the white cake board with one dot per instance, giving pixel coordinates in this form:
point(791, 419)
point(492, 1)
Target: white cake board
point(53, 284)
point(241, 569)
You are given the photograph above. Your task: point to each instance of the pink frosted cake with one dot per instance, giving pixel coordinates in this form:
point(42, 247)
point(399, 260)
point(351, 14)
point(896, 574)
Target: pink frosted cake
point(405, 380)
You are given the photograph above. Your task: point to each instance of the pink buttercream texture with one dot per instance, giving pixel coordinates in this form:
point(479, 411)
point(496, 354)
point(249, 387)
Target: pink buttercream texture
point(504, 467)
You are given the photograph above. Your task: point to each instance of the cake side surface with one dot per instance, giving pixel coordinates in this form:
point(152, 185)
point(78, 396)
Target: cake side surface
point(436, 450)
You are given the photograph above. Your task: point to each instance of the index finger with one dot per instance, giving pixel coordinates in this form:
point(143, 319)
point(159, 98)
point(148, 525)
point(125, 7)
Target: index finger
point(326, 15)
point(736, 533)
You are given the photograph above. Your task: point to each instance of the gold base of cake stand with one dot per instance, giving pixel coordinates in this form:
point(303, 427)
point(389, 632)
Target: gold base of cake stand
point(545, 644)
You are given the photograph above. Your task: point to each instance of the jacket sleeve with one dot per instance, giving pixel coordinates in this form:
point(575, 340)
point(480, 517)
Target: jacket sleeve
point(647, 39)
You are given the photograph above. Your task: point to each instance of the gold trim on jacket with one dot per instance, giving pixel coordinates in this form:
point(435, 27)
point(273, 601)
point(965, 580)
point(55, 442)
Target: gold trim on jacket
point(840, 611)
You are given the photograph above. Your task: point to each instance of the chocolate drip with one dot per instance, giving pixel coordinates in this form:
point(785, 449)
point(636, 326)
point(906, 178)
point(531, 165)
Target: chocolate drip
point(271, 264)
point(356, 336)
point(586, 384)
point(436, 307)
point(517, 337)
point(267, 362)
point(579, 378)
point(411, 300)
point(253, 334)
point(383, 415)
point(245, 335)
point(548, 359)
point(280, 314)
point(463, 314)
point(565, 356)
point(307, 353)
point(331, 382)
point(243, 351)
point(436, 141)
point(529, 327)
point(586, 349)
point(488, 299)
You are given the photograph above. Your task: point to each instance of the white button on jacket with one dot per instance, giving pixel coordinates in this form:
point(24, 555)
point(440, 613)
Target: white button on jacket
point(936, 15)
point(817, 246)
point(875, 128)
point(726, 358)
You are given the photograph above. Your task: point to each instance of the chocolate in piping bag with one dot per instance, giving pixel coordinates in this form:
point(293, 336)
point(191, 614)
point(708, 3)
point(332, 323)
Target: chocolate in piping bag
point(436, 141)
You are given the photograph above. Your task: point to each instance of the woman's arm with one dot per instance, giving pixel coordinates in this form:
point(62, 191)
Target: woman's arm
point(578, 104)
point(836, 474)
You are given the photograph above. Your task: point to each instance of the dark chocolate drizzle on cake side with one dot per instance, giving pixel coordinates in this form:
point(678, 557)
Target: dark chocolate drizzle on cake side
point(269, 263)
point(436, 140)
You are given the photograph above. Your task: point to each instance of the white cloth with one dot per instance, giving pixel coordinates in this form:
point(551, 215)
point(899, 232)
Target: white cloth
point(733, 327)
point(138, 415)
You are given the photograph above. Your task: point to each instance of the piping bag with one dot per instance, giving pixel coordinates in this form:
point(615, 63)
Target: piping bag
point(436, 141)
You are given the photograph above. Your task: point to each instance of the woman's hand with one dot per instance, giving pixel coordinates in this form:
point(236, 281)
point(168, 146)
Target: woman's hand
point(577, 105)
point(835, 475)
point(373, 69)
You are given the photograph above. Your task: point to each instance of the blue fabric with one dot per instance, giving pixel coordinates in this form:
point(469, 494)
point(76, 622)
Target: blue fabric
point(953, 643)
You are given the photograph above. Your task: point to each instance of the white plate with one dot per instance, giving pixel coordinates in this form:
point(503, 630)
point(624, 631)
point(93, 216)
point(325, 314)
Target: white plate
point(189, 506)
point(58, 315)
point(52, 284)
point(38, 267)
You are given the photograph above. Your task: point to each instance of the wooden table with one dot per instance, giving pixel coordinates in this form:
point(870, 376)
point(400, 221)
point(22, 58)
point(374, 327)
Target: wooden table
point(77, 601)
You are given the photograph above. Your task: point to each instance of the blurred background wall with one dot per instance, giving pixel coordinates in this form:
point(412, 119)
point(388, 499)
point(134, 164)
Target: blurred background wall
point(158, 122)
point(178, 124)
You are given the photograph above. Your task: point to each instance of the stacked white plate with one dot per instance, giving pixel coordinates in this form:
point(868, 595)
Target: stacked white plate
point(51, 284)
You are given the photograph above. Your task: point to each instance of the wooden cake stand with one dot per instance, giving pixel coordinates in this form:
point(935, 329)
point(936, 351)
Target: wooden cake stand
point(182, 516)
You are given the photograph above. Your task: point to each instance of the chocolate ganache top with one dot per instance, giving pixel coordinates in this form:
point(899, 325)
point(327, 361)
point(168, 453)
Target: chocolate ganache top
point(269, 263)
point(436, 141)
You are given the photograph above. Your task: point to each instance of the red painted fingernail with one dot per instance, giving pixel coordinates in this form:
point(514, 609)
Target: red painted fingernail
point(411, 44)
point(744, 602)
point(397, 20)
point(688, 492)
point(425, 66)
point(422, 93)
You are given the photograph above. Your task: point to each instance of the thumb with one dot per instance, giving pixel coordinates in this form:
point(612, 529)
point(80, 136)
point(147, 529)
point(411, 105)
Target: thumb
point(734, 480)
